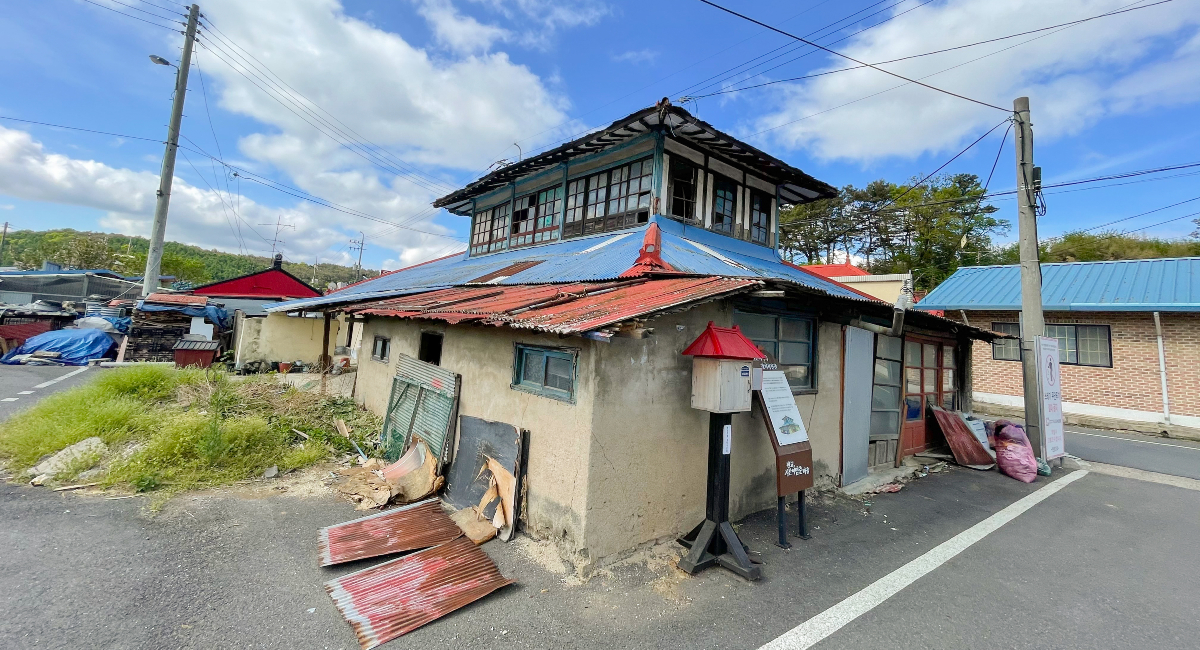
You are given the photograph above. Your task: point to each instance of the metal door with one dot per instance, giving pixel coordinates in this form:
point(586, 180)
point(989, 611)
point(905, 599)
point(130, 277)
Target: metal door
point(857, 371)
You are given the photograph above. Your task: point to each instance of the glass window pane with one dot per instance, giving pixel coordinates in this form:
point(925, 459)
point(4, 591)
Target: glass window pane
point(887, 372)
point(885, 397)
point(947, 356)
point(798, 377)
point(793, 353)
point(889, 347)
point(912, 353)
point(1094, 345)
point(755, 326)
point(558, 373)
point(885, 424)
point(948, 401)
point(533, 367)
point(947, 380)
point(930, 381)
point(768, 347)
point(791, 329)
point(1065, 334)
point(912, 407)
point(912, 377)
point(930, 355)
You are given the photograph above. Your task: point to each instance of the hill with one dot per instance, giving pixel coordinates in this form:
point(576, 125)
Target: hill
point(27, 249)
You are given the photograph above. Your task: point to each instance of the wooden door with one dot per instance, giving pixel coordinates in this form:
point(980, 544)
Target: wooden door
point(929, 378)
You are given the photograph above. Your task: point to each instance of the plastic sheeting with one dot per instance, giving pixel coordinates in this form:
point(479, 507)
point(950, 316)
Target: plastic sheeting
point(77, 346)
point(214, 314)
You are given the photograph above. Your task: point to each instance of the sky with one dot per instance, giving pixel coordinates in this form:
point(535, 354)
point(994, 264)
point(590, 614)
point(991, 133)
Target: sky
point(379, 108)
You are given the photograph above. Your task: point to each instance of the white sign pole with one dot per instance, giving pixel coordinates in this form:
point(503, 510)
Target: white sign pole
point(1050, 385)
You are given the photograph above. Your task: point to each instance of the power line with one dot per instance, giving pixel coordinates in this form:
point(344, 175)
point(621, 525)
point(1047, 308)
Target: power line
point(218, 193)
point(1141, 214)
point(850, 58)
point(148, 13)
point(941, 51)
point(1155, 225)
point(375, 153)
point(117, 11)
point(217, 142)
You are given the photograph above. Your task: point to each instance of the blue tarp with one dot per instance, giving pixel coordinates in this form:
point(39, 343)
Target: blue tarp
point(214, 314)
point(122, 324)
point(77, 347)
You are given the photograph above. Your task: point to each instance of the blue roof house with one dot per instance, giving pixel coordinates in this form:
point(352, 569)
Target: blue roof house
point(1127, 334)
point(590, 268)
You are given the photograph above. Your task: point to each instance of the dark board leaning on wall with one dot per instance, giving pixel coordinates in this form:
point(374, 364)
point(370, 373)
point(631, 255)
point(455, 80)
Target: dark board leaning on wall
point(478, 439)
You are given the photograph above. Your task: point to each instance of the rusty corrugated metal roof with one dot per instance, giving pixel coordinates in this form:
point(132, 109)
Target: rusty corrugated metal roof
point(177, 299)
point(415, 526)
point(563, 309)
point(394, 598)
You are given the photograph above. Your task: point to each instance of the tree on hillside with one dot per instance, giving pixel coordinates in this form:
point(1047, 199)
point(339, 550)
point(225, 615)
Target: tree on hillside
point(1099, 247)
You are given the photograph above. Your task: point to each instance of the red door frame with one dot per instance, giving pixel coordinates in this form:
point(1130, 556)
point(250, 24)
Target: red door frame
point(913, 433)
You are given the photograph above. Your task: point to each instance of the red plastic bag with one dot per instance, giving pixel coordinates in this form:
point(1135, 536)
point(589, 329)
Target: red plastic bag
point(1014, 455)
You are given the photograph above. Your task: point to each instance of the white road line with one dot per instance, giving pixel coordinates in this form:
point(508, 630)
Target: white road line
point(817, 628)
point(25, 392)
point(10, 399)
point(1144, 442)
point(58, 379)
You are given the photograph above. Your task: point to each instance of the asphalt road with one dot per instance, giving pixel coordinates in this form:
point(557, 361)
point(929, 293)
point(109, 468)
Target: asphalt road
point(22, 386)
point(1162, 455)
point(1078, 570)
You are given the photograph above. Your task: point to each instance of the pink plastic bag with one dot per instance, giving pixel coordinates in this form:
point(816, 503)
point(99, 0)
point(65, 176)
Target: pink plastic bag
point(1014, 454)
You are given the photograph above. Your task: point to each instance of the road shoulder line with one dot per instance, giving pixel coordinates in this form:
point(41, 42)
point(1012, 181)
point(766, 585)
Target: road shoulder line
point(822, 625)
point(1140, 475)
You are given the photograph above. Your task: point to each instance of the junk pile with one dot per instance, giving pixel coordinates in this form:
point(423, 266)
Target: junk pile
point(161, 320)
point(477, 471)
point(65, 347)
point(982, 445)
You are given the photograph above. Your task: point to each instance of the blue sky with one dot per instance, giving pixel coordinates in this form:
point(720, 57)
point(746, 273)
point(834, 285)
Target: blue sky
point(447, 86)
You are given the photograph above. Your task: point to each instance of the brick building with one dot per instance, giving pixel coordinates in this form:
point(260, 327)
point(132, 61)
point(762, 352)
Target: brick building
point(1128, 333)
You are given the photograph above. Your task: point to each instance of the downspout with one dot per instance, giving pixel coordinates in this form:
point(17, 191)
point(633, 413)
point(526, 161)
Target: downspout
point(903, 303)
point(1162, 368)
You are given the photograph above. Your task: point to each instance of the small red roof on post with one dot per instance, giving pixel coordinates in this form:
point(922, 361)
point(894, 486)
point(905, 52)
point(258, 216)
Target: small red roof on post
point(723, 343)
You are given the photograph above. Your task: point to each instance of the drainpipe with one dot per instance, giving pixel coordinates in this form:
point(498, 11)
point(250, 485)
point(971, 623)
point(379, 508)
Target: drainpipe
point(1162, 368)
point(903, 303)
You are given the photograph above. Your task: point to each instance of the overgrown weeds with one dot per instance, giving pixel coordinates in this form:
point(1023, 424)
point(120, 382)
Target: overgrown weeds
point(173, 430)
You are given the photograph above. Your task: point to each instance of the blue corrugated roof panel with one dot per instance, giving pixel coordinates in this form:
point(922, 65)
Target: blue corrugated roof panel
point(1171, 284)
point(586, 259)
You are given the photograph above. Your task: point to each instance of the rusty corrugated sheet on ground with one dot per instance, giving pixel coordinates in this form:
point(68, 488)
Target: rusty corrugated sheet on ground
point(397, 597)
point(559, 308)
point(415, 526)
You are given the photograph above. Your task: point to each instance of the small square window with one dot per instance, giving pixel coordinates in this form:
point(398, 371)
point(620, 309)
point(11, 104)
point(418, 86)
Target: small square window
point(546, 371)
point(381, 348)
point(1007, 349)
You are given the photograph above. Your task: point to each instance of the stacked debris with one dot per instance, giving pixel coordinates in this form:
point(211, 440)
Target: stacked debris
point(481, 501)
point(153, 335)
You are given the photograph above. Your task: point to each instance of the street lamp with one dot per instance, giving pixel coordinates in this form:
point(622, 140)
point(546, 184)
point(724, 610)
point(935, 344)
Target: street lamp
point(160, 61)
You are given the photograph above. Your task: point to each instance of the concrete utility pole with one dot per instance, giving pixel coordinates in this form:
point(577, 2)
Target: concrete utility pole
point(1032, 323)
point(159, 231)
point(361, 244)
point(3, 239)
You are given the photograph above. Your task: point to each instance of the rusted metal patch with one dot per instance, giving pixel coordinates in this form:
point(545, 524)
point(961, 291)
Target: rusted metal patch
point(394, 598)
point(419, 525)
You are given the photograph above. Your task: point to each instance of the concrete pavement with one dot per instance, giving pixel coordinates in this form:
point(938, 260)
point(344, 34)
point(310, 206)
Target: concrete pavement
point(1162, 455)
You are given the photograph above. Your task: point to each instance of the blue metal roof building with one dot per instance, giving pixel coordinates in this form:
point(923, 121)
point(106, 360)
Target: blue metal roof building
point(606, 256)
point(1163, 285)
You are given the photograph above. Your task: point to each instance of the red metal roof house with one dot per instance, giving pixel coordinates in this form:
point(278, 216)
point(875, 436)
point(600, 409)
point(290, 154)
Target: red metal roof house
point(272, 283)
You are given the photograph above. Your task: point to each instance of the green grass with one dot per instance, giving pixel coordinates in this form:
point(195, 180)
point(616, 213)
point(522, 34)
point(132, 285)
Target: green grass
point(170, 430)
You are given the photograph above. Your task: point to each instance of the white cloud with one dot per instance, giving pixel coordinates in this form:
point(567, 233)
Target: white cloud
point(8, 206)
point(552, 14)
point(462, 34)
point(636, 56)
point(1074, 78)
point(197, 215)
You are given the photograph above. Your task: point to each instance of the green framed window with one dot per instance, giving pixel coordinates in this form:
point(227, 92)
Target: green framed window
point(787, 340)
point(545, 371)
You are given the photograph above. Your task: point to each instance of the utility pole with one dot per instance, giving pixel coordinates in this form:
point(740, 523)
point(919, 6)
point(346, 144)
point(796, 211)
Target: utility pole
point(1032, 323)
point(159, 231)
point(3, 238)
point(359, 243)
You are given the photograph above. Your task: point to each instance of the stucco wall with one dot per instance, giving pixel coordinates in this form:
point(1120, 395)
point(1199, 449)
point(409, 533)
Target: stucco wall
point(279, 337)
point(887, 291)
point(649, 458)
point(559, 432)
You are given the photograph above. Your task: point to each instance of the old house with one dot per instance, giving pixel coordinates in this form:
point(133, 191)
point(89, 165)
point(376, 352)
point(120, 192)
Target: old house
point(275, 337)
point(590, 268)
point(884, 286)
point(1127, 338)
